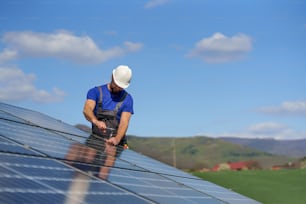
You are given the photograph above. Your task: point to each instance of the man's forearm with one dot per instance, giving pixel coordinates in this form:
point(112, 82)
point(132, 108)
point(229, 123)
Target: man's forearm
point(121, 130)
point(89, 115)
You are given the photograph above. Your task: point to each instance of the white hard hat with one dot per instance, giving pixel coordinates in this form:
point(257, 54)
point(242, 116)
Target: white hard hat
point(122, 76)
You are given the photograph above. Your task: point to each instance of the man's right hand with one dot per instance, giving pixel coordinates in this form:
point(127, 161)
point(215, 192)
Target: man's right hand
point(101, 125)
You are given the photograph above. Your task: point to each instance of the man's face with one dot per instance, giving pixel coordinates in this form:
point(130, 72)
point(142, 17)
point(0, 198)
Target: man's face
point(114, 87)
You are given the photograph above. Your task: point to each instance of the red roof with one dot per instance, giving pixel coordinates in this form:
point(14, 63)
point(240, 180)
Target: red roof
point(234, 165)
point(238, 165)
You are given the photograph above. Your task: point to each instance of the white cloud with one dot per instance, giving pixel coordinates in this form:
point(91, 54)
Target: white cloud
point(271, 130)
point(15, 85)
point(155, 3)
point(8, 55)
point(220, 48)
point(63, 45)
point(133, 47)
point(265, 130)
point(286, 108)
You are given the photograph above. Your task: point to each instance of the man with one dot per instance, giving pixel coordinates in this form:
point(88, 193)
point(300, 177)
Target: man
point(109, 107)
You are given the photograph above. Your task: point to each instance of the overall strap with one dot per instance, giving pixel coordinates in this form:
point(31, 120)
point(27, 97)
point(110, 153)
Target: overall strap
point(100, 98)
point(120, 102)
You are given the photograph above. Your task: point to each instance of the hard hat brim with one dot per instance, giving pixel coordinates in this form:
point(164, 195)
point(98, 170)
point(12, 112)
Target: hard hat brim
point(118, 83)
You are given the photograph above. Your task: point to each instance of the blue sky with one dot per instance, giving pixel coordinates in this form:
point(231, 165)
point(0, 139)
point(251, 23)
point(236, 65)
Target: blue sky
point(214, 68)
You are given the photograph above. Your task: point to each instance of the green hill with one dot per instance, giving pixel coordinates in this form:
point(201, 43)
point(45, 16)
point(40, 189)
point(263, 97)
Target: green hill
point(195, 153)
point(293, 148)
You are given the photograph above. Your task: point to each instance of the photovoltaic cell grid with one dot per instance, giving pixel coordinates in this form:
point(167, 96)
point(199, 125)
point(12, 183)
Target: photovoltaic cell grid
point(45, 160)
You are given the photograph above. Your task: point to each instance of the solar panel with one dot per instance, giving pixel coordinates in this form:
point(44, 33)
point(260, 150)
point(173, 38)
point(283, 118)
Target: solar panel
point(44, 160)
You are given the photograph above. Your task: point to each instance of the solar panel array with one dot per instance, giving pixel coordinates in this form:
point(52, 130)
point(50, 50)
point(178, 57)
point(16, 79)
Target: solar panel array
point(44, 160)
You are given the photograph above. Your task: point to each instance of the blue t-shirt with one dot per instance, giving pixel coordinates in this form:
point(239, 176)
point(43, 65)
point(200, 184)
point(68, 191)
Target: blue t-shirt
point(109, 100)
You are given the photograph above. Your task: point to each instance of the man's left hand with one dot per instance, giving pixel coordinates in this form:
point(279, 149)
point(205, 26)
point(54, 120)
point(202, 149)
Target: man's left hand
point(113, 141)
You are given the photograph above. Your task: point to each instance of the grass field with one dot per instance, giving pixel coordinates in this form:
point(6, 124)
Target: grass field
point(266, 186)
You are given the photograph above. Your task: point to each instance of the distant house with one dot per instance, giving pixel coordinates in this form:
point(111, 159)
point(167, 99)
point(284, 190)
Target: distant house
point(289, 165)
point(220, 167)
point(236, 166)
point(239, 166)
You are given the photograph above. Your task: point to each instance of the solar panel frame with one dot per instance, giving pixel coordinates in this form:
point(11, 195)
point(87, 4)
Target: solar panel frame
point(26, 135)
point(48, 177)
point(41, 120)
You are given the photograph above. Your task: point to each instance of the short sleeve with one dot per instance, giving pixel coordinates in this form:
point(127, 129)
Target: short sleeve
point(128, 104)
point(93, 94)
